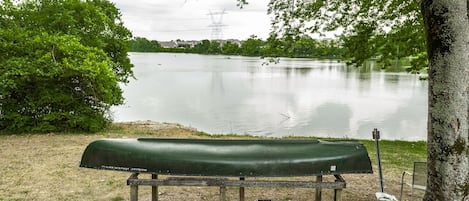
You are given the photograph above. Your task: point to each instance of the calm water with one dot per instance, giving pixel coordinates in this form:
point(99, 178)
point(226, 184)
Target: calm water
point(296, 97)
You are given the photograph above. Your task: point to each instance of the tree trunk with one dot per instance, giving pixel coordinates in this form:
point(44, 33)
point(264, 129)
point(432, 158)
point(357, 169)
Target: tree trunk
point(447, 29)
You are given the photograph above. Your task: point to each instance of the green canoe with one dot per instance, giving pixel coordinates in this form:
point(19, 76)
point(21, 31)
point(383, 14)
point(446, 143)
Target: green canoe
point(237, 158)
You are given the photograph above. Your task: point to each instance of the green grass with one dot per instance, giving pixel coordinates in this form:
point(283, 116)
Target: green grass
point(397, 155)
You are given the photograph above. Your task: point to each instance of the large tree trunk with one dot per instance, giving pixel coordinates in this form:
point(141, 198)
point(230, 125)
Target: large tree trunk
point(447, 28)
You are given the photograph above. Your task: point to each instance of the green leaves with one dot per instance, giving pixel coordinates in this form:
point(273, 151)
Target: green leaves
point(140, 44)
point(56, 75)
point(96, 23)
point(230, 48)
point(251, 47)
point(292, 19)
point(360, 44)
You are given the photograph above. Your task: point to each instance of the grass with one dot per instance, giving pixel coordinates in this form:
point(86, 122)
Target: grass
point(45, 167)
point(397, 155)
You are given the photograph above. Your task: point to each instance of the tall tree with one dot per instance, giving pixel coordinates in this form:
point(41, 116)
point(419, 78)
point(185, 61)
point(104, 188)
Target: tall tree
point(214, 48)
point(230, 48)
point(251, 47)
point(447, 28)
point(304, 47)
point(202, 47)
point(140, 44)
point(359, 44)
point(273, 47)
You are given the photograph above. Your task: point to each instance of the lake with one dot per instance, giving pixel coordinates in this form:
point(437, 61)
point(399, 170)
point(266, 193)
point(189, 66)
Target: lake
point(222, 94)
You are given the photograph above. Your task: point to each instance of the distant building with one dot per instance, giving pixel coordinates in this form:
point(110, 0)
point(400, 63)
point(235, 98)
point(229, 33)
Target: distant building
point(168, 44)
point(187, 44)
point(192, 43)
point(179, 44)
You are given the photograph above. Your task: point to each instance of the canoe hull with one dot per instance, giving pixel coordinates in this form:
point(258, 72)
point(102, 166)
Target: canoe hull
point(237, 158)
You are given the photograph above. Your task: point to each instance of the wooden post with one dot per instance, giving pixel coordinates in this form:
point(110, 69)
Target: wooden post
point(222, 193)
point(241, 190)
point(133, 192)
point(133, 188)
point(318, 190)
point(337, 194)
point(154, 189)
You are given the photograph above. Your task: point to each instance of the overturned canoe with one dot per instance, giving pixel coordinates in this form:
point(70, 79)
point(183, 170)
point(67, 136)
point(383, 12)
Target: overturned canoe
point(204, 157)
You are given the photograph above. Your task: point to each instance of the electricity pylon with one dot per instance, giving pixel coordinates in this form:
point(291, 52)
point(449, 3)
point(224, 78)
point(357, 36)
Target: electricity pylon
point(217, 24)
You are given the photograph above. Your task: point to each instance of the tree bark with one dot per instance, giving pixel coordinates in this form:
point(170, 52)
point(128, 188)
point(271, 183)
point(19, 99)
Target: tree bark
point(447, 29)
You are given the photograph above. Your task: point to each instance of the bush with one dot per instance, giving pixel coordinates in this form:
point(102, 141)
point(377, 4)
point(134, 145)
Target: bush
point(62, 85)
point(60, 74)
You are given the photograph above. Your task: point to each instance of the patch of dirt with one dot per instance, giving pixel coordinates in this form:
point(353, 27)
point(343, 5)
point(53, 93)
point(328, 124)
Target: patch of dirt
point(155, 126)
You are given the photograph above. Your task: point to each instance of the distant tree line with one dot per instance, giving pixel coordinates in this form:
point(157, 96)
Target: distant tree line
point(139, 44)
point(389, 50)
point(305, 47)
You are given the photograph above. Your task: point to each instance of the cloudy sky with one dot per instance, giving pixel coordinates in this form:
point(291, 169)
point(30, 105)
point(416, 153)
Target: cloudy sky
point(165, 20)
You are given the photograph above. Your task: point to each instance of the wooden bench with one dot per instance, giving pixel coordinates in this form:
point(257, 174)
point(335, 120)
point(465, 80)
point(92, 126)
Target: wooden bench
point(134, 182)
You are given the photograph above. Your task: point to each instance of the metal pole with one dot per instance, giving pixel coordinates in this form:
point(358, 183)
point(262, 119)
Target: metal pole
point(378, 158)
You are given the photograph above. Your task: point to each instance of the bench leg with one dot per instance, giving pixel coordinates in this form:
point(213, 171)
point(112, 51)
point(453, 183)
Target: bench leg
point(154, 189)
point(222, 193)
point(337, 194)
point(318, 190)
point(133, 188)
point(133, 193)
point(241, 191)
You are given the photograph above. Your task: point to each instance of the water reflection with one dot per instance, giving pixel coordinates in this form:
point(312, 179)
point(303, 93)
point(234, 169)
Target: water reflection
point(216, 84)
point(298, 97)
point(331, 118)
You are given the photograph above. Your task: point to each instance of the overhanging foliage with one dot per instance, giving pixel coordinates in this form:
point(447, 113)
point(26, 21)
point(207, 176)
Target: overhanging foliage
point(369, 28)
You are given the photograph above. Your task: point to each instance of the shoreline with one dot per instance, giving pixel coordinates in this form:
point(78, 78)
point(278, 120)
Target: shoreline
point(155, 125)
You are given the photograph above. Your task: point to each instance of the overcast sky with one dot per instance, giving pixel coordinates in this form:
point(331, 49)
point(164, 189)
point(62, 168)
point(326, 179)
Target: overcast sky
point(165, 20)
